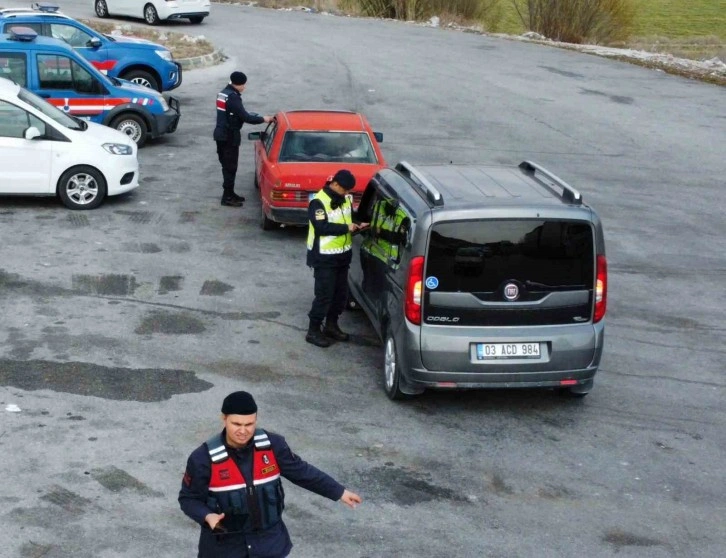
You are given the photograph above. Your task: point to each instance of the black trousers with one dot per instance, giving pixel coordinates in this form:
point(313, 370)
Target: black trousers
point(331, 293)
point(228, 156)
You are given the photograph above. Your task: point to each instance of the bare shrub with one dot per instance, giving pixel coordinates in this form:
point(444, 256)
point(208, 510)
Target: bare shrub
point(417, 10)
point(578, 21)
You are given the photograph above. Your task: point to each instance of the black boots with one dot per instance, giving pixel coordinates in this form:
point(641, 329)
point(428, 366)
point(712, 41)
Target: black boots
point(316, 337)
point(232, 200)
point(332, 330)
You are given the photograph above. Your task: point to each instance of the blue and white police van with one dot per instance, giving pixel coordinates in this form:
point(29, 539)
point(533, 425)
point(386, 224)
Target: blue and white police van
point(130, 58)
point(53, 70)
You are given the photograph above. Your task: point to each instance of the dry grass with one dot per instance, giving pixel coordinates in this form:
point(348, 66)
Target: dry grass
point(181, 46)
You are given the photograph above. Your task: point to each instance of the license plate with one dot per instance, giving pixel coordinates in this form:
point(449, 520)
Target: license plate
point(492, 351)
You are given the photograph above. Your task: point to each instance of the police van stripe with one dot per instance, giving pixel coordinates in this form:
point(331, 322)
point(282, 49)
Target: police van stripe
point(266, 480)
point(227, 488)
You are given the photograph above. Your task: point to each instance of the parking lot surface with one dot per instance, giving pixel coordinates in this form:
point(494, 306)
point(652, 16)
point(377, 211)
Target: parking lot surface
point(124, 327)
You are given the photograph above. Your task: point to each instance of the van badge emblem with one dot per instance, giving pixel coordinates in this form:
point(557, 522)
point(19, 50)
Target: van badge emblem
point(432, 282)
point(511, 292)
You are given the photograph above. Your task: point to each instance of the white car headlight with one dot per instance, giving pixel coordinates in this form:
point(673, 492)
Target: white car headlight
point(165, 54)
point(164, 104)
point(118, 148)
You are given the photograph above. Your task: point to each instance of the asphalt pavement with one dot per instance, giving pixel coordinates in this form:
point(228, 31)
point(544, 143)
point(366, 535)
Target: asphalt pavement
point(123, 328)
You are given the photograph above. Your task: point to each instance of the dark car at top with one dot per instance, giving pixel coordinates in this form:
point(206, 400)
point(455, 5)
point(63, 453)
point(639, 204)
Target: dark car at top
point(133, 59)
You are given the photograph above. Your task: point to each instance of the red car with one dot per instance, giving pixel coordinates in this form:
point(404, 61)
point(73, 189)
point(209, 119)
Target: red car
point(300, 150)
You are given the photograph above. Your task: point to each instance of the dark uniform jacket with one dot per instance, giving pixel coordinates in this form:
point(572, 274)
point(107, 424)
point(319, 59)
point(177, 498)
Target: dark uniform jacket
point(231, 115)
point(324, 228)
point(272, 543)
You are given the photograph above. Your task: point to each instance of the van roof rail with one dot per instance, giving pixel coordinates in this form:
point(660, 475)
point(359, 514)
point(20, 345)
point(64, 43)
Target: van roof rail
point(568, 193)
point(421, 182)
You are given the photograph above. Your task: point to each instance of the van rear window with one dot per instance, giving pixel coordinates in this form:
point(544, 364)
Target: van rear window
point(545, 266)
point(480, 256)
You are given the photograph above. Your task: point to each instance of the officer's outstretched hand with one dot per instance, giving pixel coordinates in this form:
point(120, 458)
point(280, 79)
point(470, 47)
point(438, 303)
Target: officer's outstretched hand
point(213, 519)
point(350, 499)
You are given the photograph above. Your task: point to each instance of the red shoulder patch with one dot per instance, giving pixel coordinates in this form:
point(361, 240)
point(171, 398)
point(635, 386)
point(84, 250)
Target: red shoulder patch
point(187, 480)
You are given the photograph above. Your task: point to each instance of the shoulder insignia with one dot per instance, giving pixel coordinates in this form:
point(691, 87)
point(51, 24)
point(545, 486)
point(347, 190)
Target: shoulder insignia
point(319, 215)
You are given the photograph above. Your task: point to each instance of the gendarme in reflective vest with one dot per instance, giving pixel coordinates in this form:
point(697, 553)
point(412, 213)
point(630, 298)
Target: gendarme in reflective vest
point(246, 508)
point(343, 215)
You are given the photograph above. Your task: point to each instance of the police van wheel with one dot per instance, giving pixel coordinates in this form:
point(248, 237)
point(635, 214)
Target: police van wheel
point(133, 126)
point(101, 8)
point(82, 187)
point(265, 223)
point(392, 370)
point(150, 15)
point(145, 79)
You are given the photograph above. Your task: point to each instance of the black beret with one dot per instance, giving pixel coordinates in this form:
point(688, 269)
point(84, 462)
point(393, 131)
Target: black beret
point(238, 78)
point(239, 403)
point(345, 178)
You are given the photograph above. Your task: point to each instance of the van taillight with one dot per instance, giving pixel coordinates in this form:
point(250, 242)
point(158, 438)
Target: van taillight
point(414, 290)
point(601, 289)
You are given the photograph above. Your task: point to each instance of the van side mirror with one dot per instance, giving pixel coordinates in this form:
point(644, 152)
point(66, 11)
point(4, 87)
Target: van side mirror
point(94, 42)
point(252, 136)
point(31, 133)
point(378, 136)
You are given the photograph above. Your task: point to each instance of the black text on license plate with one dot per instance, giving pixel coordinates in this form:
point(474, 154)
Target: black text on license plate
point(491, 351)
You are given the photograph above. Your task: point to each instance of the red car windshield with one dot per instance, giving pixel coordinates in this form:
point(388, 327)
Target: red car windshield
point(327, 147)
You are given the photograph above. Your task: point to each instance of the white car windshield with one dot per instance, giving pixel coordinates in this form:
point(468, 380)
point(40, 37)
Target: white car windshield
point(51, 112)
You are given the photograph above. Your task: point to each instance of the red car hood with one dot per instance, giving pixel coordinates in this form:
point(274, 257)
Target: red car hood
point(313, 176)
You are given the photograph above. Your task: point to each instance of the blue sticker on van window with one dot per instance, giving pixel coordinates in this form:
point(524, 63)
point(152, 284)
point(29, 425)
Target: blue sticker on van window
point(432, 282)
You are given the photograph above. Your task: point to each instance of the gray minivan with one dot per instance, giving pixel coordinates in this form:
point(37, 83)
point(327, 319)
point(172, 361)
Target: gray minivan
point(480, 276)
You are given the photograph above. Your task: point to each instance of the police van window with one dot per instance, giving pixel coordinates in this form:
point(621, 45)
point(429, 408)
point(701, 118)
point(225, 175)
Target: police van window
point(14, 121)
point(69, 34)
point(270, 135)
point(60, 72)
point(13, 67)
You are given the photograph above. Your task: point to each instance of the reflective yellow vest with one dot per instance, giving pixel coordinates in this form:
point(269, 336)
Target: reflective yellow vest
point(384, 223)
point(329, 245)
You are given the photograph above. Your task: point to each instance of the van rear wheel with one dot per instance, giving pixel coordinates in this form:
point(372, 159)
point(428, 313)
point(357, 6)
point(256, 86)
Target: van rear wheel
point(392, 370)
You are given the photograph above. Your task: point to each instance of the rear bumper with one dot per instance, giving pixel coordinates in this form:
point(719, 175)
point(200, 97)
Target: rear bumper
point(461, 380)
point(184, 15)
point(288, 215)
point(570, 357)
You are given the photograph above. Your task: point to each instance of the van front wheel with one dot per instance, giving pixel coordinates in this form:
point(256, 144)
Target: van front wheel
point(392, 370)
point(133, 126)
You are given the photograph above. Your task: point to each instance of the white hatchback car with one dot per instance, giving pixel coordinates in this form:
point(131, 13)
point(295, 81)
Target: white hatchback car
point(154, 11)
point(44, 151)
